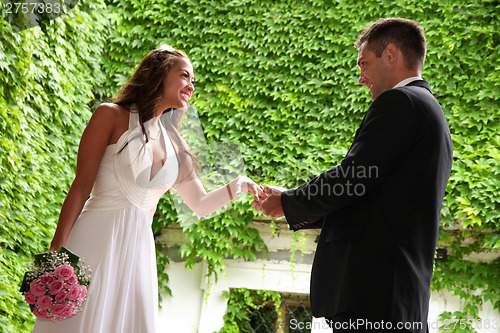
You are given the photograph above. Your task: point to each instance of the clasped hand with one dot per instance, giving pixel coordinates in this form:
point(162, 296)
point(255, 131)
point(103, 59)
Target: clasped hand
point(266, 199)
point(270, 202)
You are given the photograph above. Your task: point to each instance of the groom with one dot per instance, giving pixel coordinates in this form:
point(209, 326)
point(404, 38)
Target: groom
point(379, 209)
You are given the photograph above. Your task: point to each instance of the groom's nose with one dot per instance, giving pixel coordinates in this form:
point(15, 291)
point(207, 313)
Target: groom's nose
point(362, 79)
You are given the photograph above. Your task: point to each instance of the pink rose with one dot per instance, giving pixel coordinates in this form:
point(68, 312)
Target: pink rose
point(57, 309)
point(47, 278)
point(44, 302)
point(55, 287)
point(83, 291)
point(60, 296)
point(40, 313)
point(29, 298)
point(64, 315)
point(69, 306)
point(74, 293)
point(63, 272)
point(68, 311)
point(72, 281)
point(83, 294)
point(37, 288)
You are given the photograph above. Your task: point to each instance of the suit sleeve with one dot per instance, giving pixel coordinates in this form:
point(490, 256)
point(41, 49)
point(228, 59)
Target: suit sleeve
point(385, 137)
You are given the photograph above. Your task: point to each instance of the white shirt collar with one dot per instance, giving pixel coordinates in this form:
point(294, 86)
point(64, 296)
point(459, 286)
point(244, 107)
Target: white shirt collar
point(406, 81)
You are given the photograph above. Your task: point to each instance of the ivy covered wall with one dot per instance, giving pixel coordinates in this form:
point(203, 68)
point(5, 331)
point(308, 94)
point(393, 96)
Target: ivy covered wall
point(46, 81)
point(277, 78)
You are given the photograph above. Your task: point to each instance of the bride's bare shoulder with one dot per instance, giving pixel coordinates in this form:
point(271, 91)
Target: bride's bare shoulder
point(113, 118)
point(114, 114)
point(112, 110)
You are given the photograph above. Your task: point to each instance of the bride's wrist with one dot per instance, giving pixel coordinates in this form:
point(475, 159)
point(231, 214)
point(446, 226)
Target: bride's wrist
point(237, 186)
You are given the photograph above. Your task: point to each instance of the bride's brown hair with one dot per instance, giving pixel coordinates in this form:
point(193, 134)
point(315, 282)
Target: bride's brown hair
point(145, 89)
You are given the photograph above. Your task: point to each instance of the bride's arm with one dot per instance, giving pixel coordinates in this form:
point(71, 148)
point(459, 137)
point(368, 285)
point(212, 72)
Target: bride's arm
point(202, 203)
point(95, 138)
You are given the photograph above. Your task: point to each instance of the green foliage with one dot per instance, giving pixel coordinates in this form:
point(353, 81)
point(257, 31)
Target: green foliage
point(277, 78)
point(474, 282)
point(241, 301)
point(47, 78)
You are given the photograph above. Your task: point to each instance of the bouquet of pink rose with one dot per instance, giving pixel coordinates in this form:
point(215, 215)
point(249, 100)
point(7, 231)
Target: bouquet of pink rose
point(56, 284)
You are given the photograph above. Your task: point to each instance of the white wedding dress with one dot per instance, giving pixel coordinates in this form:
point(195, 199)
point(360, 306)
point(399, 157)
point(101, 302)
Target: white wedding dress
point(113, 234)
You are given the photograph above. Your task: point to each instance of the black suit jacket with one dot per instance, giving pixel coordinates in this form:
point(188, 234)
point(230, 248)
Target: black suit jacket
point(379, 211)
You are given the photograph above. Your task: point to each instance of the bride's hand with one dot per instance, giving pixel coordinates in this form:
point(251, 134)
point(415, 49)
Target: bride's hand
point(245, 184)
point(55, 245)
point(52, 249)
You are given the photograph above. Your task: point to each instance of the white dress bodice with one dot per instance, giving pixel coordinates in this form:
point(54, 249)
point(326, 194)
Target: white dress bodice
point(124, 175)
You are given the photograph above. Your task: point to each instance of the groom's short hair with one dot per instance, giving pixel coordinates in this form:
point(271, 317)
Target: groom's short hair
point(407, 35)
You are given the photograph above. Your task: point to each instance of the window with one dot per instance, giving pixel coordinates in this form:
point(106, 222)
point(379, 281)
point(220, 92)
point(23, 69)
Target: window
point(294, 316)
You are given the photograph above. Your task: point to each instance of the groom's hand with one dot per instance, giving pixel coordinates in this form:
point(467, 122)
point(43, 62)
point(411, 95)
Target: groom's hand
point(271, 206)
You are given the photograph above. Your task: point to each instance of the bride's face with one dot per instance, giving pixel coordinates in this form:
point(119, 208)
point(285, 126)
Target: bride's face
point(178, 85)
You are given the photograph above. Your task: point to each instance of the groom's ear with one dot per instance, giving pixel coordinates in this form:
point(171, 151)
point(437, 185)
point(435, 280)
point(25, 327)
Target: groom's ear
point(392, 54)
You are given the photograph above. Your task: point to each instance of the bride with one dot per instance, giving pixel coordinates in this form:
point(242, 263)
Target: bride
point(130, 154)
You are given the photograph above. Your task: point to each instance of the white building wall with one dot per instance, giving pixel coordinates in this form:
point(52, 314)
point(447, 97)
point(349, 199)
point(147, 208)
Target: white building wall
point(193, 309)
point(181, 312)
point(196, 308)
